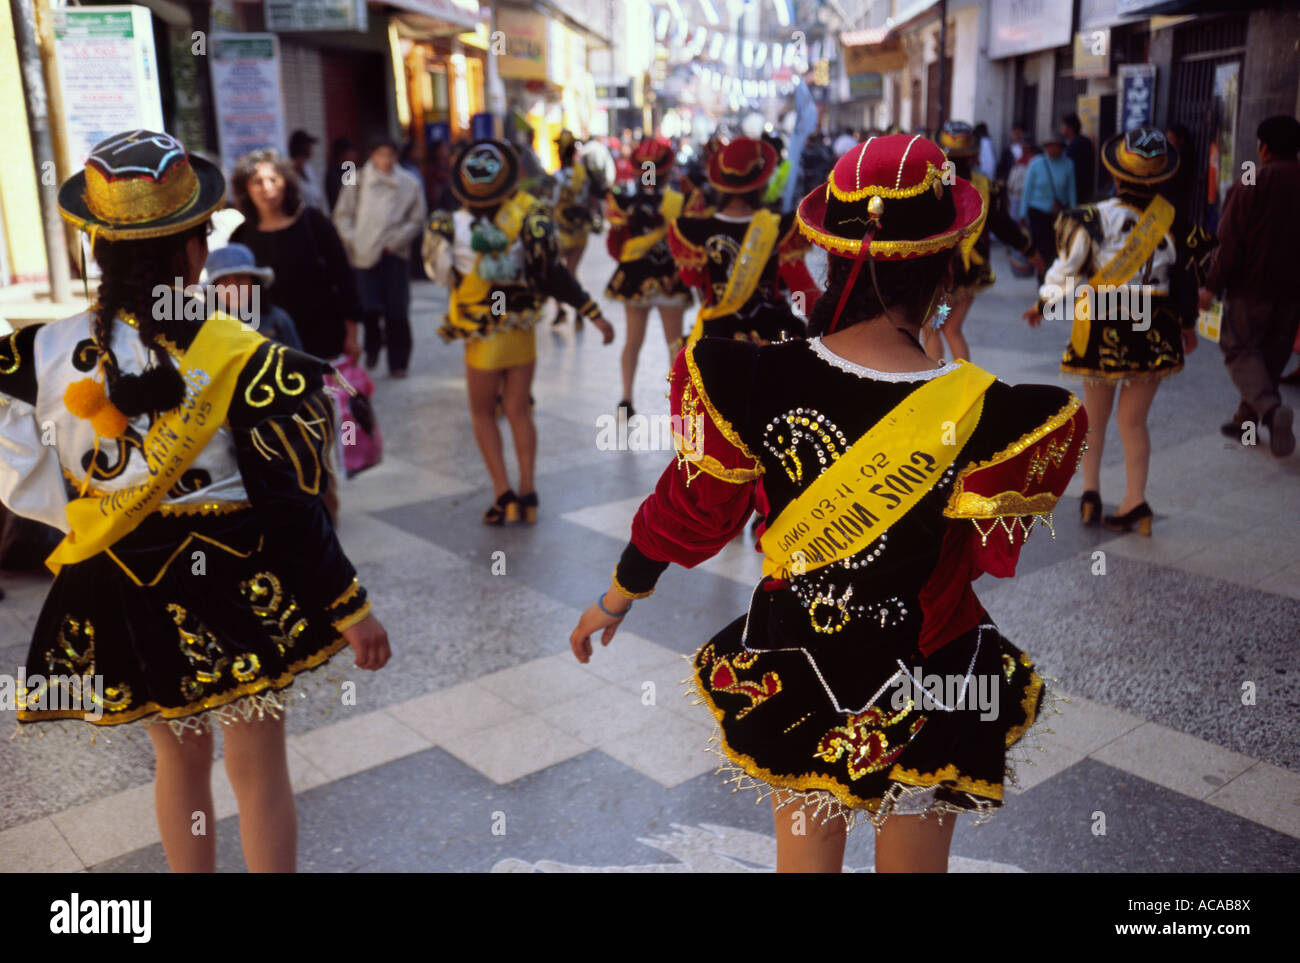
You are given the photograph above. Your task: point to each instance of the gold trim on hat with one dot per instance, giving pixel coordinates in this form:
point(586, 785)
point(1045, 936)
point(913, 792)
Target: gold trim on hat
point(135, 200)
point(932, 173)
point(894, 249)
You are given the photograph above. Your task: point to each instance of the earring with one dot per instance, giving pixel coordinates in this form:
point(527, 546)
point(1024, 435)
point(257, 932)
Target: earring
point(941, 314)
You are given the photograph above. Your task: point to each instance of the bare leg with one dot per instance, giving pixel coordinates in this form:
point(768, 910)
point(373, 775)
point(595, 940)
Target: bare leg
point(258, 766)
point(183, 799)
point(1097, 401)
point(914, 844)
point(803, 844)
point(672, 321)
point(484, 386)
point(952, 329)
point(519, 412)
point(1134, 403)
point(636, 323)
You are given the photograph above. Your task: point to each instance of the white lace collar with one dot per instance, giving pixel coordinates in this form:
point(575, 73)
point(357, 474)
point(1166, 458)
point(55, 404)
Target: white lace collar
point(862, 371)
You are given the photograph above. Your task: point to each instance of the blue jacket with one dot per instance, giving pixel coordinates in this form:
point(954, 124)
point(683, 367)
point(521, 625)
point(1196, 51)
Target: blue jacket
point(1043, 173)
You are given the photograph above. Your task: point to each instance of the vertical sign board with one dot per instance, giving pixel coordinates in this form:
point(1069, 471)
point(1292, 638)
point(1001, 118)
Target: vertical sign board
point(107, 75)
point(1137, 95)
point(246, 92)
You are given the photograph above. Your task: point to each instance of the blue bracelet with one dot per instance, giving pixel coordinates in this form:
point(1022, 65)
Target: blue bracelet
point(600, 601)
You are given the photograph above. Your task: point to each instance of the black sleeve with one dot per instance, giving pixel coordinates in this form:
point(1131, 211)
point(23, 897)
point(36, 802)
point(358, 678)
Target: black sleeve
point(1003, 226)
point(284, 424)
point(546, 270)
point(336, 260)
point(18, 364)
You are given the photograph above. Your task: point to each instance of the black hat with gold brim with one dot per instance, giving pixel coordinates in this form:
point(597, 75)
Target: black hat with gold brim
point(485, 173)
point(141, 184)
point(1140, 156)
point(957, 138)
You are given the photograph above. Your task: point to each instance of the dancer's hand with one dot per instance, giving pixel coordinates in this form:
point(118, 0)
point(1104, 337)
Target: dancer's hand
point(1204, 298)
point(1040, 266)
point(1189, 340)
point(606, 329)
point(593, 620)
point(369, 641)
point(1033, 317)
point(351, 343)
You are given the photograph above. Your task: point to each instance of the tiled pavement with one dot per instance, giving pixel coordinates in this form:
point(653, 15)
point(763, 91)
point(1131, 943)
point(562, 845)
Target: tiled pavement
point(485, 746)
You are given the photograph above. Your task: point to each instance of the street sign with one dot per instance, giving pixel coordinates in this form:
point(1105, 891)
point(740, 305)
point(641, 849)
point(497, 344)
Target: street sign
point(246, 93)
point(1092, 53)
point(1137, 95)
point(286, 16)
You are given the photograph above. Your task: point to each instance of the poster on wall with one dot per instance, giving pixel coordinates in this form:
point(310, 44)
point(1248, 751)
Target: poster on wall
point(1137, 95)
point(108, 78)
point(246, 94)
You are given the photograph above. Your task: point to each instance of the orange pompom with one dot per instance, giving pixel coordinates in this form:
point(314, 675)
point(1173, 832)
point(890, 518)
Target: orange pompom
point(108, 422)
point(84, 398)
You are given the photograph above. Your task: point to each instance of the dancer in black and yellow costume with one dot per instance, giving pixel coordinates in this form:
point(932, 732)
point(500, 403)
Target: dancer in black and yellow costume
point(571, 206)
point(892, 484)
point(199, 574)
point(740, 255)
point(499, 258)
point(1134, 333)
point(646, 276)
point(973, 269)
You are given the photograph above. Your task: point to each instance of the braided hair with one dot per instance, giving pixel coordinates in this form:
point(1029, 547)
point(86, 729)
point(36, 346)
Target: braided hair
point(908, 285)
point(132, 271)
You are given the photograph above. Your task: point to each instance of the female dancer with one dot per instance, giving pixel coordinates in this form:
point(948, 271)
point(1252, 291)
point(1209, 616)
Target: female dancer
point(1144, 311)
point(739, 254)
point(893, 483)
point(571, 203)
point(498, 257)
point(646, 276)
point(973, 271)
point(199, 574)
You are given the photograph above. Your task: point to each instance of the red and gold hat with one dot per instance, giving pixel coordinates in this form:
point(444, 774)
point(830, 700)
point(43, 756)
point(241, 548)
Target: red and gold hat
point(742, 166)
point(652, 150)
point(485, 173)
point(1140, 156)
point(140, 184)
point(890, 190)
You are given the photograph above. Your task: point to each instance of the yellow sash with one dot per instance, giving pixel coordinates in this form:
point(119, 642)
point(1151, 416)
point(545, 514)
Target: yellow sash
point(880, 478)
point(468, 299)
point(638, 247)
point(209, 369)
point(968, 252)
point(1140, 244)
point(755, 249)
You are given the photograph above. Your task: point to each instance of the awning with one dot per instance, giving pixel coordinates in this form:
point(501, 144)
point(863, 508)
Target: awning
point(436, 18)
point(876, 50)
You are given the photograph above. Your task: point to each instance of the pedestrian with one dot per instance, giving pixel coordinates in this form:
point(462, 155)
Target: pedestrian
point(987, 164)
point(646, 276)
point(498, 257)
point(844, 143)
point(1253, 269)
point(862, 594)
point(1049, 190)
point(377, 220)
point(741, 255)
point(1080, 151)
point(437, 178)
point(972, 268)
point(242, 290)
point(570, 200)
point(314, 282)
point(179, 642)
point(1012, 153)
point(344, 160)
point(300, 144)
point(1181, 188)
point(1131, 327)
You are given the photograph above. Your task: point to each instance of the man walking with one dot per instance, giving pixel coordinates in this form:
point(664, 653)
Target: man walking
point(377, 220)
point(1049, 189)
point(300, 144)
point(1254, 268)
point(1079, 149)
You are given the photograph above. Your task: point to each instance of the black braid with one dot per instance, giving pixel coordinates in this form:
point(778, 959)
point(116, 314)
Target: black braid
point(908, 285)
point(132, 270)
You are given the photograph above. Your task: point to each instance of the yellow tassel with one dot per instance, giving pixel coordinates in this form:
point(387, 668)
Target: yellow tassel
point(84, 398)
point(108, 422)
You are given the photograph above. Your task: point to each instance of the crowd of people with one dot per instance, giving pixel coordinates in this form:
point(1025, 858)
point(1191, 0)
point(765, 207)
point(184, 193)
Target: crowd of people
point(882, 479)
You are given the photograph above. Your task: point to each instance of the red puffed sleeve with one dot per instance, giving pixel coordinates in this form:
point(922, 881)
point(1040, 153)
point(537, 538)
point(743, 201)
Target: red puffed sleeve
point(702, 499)
point(793, 271)
point(616, 236)
point(690, 257)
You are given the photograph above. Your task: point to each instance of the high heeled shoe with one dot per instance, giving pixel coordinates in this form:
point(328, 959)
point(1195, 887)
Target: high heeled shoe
point(1090, 508)
point(528, 504)
point(1139, 518)
point(504, 509)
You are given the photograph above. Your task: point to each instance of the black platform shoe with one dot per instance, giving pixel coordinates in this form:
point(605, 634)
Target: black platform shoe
point(528, 504)
point(626, 407)
point(1139, 518)
point(1090, 508)
point(504, 509)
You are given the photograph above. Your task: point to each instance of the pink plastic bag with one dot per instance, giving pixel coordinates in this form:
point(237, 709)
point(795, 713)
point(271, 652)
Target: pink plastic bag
point(362, 443)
